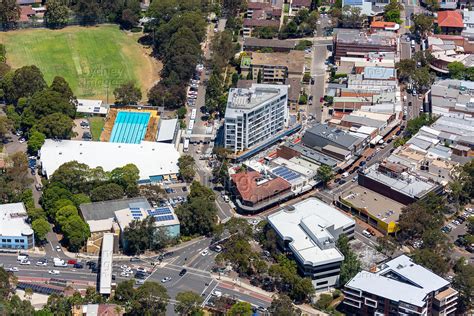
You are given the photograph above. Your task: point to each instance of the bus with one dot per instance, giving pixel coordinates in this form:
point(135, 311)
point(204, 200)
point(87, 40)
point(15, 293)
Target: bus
point(186, 145)
point(193, 114)
point(191, 126)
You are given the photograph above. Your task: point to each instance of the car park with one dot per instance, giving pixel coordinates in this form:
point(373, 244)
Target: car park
point(125, 274)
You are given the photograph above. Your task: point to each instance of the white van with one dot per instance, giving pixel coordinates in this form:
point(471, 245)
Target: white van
point(226, 198)
point(22, 257)
point(345, 174)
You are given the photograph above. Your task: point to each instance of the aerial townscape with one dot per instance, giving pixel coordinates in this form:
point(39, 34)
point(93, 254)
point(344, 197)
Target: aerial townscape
point(236, 157)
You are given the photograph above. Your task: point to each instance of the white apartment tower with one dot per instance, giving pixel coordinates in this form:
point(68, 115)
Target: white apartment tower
point(255, 115)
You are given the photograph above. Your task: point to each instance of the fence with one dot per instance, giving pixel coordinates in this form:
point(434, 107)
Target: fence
point(37, 23)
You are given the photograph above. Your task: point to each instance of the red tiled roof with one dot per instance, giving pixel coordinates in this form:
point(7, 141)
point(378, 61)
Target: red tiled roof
point(450, 19)
point(27, 10)
point(246, 184)
point(382, 24)
point(258, 5)
point(301, 3)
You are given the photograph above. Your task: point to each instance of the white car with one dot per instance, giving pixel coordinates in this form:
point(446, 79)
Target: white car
point(205, 252)
point(366, 233)
point(125, 274)
point(25, 262)
point(143, 270)
point(164, 280)
point(124, 267)
point(217, 293)
point(13, 269)
point(58, 248)
point(53, 272)
point(41, 263)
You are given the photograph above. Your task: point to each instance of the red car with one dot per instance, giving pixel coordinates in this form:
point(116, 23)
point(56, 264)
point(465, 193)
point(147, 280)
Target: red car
point(321, 99)
point(71, 261)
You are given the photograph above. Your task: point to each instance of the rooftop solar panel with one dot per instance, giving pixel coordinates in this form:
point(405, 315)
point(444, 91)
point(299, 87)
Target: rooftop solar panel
point(164, 218)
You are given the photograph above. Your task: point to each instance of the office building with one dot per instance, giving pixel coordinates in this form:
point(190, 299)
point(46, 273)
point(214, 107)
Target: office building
point(399, 287)
point(15, 231)
point(309, 230)
point(254, 116)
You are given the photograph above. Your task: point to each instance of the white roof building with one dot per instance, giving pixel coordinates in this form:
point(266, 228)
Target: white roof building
point(400, 280)
point(95, 107)
point(167, 130)
point(13, 225)
point(310, 230)
point(155, 161)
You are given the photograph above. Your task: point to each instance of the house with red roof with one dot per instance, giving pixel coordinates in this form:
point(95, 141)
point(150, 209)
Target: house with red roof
point(450, 22)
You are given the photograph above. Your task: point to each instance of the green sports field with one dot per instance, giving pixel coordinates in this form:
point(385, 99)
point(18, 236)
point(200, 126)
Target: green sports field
point(94, 60)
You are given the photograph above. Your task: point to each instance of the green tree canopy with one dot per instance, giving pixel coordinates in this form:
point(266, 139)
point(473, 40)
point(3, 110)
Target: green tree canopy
point(41, 228)
point(188, 303)
point(105, 192)
point(240, 309)
point(187, 167)
point(9, 13)
point(127, 93)
point(27, 81)
point(56, 125)
point(57, 14)
point(151, 299)
point(35, 142)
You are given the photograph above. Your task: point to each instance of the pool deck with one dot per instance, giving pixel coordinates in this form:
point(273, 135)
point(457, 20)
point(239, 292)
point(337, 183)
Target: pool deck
point(152, 128)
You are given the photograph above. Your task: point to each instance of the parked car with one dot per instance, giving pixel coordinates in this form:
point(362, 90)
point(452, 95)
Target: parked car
point(166, 279)
point(366, 233)
point(13, 269)
point(183, 272)
point(78, 266)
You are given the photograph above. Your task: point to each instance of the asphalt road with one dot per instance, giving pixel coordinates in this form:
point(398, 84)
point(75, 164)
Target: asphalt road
point(318, 73)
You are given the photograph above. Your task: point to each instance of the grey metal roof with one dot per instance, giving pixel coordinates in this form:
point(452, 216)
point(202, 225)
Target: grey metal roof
point(333, 134)
point(107, 209)
point(364, 121)
point(313, 154)
point(167, 130)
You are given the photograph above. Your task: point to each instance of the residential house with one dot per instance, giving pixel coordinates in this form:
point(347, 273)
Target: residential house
point(450, 22)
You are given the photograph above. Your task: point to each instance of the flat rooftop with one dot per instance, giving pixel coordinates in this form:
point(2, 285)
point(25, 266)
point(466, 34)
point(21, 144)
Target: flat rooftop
point(376, 204)
point(151, 158)
point(364, 39)
point(407, 184)
point(293, 60)
point(246, 99)
point(13, 218)
point(309, 226)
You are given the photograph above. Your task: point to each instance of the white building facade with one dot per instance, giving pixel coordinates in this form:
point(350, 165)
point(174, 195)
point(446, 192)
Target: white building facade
point(254, 115)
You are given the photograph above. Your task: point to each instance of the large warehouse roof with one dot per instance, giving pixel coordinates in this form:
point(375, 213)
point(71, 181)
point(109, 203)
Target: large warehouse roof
point(151, 158)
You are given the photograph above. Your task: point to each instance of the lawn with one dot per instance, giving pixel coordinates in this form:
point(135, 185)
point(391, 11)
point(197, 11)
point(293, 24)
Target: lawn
point(96, 125)
point(94, 60)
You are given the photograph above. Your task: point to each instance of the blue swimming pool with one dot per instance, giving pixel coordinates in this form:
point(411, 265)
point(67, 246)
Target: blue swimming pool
point(129, 127)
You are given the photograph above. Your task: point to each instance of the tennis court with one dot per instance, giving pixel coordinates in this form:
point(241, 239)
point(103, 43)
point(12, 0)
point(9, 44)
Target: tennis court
point(130, 127)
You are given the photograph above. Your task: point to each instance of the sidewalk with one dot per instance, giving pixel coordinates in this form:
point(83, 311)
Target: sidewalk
point(264, 295)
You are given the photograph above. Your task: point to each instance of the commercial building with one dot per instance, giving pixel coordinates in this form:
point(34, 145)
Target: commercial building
point(255, 191)
point(309, 230)
point(397, 182)
point(355, 43)
point(156, 162)
point(274, 67)
point(15, 231)
point(297, 151)
point(377, 210)
point(452, 96)
point(450, 22)
point(399, 287)
point(320, 136)
point(254, 116)
point(445, 51)
point(276, 45)
point(92, 107)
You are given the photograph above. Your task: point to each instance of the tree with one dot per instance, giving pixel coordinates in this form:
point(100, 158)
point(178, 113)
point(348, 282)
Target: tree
point(240, 309)
point(9, 13)
point(27, 81)
point(48, 102)
point(5, 287)
point(187, 167)
point(171, 97)
point(143, 235)
point(464, 282)
point(41, 228)
point(35, 142)
point(198, 214)
point(188, 303)
point(431, 260)
point(181, 112)
point(125, 293)
point(61, 86)
point(423, 79)
point(351, 264)
point(324, 301)
point(63, 214)
point(131, 14)
point(127, 93)
point(105, 192)
point(57, 14)
point(151, 298)
point(56, 125)
point(325, 174)
point(5, 126)
point(87, 11)
point(456, 70)
point(283, 306)
point(405, 69)
point(422, 24)
point(76, 232)
point(127, 177)
point(352, 17)
point(392, 12)
point(231, 7)
point(17, 173)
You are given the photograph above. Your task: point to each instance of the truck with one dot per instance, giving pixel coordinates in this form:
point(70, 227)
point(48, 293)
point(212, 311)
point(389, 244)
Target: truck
point(186, 145)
